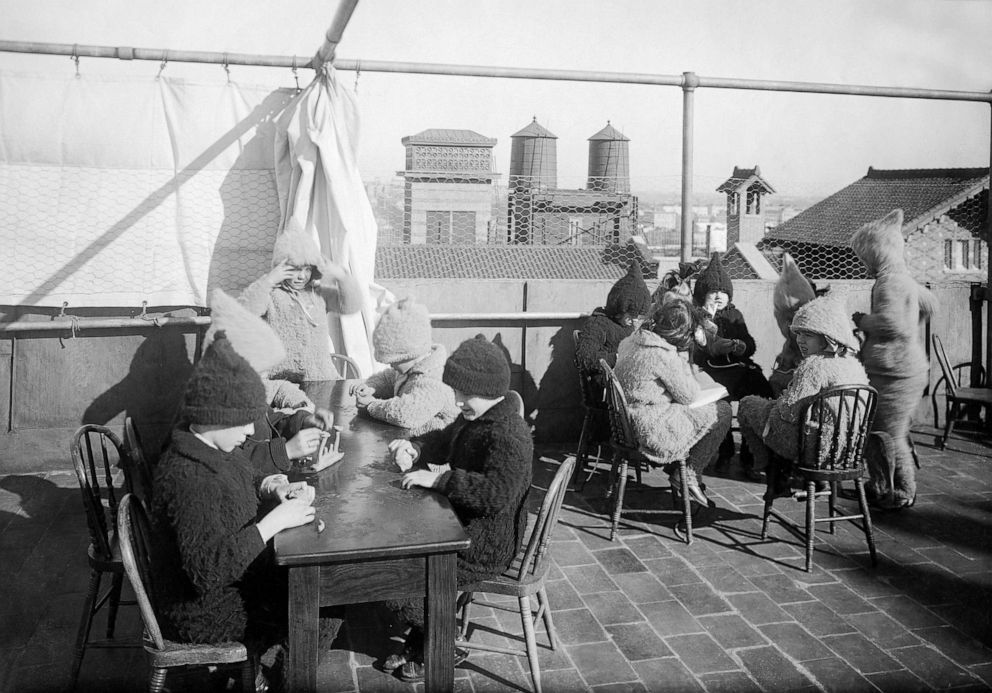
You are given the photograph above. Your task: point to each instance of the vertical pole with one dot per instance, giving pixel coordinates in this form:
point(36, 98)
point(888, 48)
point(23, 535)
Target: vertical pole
point(689, 84)
point(988, 265)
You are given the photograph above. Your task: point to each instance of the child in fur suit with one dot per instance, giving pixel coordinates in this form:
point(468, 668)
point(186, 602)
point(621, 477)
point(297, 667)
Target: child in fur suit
point(295, 297)
point(656, 375)
point(792, 292)
point(826, 341)
point(409, 394)
point(894, 357)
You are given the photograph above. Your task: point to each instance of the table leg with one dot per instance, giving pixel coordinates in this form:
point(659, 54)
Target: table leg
point(439, 648)
point(304, 609)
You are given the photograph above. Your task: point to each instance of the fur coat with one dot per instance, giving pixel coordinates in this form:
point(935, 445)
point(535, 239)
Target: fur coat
point(491, 462)
point(660, 384)
point(417, 400)
point(775, 422)
point(599, 338)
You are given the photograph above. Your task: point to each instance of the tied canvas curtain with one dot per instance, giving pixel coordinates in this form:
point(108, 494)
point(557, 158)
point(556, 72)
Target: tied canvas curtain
point(321, 192)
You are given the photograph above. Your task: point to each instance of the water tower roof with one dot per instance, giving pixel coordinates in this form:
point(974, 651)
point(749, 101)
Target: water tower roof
point(609, 133)
point(463, 138)
point(535, 129)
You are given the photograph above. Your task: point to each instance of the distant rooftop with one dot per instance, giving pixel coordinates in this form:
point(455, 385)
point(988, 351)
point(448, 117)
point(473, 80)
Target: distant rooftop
point(462, 138)
point(745, 177)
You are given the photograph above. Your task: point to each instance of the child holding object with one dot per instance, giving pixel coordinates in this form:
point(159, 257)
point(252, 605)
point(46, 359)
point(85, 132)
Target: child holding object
point(482, 463)
point(215, 577)
point(295, 297)
point(410, 394)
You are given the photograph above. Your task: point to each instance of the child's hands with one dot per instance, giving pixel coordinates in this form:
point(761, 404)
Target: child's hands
point(294, 512)
point(857, 318)
point(296, 489)
point(304, 443)
point(332, 271)
point(321, 418)
point(364, 395)
point(420, 477)
point(281, 273)
point(404, 453)
point(739, 347)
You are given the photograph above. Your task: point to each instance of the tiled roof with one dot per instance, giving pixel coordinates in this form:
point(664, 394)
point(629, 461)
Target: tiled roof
point(922, 194)
point(745, 177)
point(453, 137)
point(495, 262)
point(610, 133)
point(535, 129)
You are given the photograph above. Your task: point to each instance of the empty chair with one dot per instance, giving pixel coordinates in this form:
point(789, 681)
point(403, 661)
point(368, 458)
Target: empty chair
point(835, 427)
point(958, 398)
point(627, 452)
point(347, 366)
point(524, 579)
point(166, 654)
point(596, 408)
point(96, 451)
point(139, 471)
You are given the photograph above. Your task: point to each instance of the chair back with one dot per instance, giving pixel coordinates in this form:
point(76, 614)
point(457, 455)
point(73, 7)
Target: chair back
point(592, 396)
point(536, 551)
point(95, 451)
point(136, 537)
point(835, 426)
point(514, 397)
point(138, 472)
point(945, 366)
point(347, 367)
point(621, 430)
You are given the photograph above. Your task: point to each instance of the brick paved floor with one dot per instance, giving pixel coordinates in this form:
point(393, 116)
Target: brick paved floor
point(643, 613)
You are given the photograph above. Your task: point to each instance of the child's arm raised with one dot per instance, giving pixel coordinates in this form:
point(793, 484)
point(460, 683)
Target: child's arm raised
point(341, 291)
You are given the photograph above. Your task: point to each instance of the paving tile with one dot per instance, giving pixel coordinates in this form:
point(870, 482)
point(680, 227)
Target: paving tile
point(645, 547)
point(630, 687)
point(701, 653)
point(781, 588)
point(882, 630)
point(571, 553)
point(638, 641)
point(773, 671)
point(724, 579)
point(757, 609)
point(642, 587)
point(562, 680)
point(840, 599)
point(612, 607)
point(932, 667)
point(902, 681)
point(578, 626)
point(908, 612)
point(729, 682)
point(699, 599)
point(956, 645)
point(673, 571)
point(601, 663)
point(562, 595)
point(731, 631)
point(861, 653)
point(668, 674)
point(620, 560)
point(867, 584)
point(587, 579)
point(795, 641)
point(835, 675)
point(670, 618)
point(491, 673)
point(818, 619)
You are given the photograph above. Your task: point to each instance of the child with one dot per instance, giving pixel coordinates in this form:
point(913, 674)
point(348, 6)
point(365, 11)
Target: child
point(215, 580)
point(655, 372)
point(826, 341)
point(411, 393)
point(727, 358)
point(792, 292)
point(484, 460)
point(295, 297)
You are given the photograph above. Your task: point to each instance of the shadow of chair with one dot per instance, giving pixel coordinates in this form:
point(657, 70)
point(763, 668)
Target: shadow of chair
point(140, 472)
point(164, 654)
point(95, 451)
point(834, 427)
point(596, 407)
point(958, 399)
point(524, 579)
point(346, 366)
point(627, 452)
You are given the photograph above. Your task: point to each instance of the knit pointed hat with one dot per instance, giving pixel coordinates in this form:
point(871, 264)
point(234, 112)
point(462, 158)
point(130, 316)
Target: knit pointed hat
point(248, 334)
point(224, 389)
point(630, 294)
point(713, 278)
point(403, 332)
point(478, 367)
point(299, 249)
point(792, 291)
point(827, 316)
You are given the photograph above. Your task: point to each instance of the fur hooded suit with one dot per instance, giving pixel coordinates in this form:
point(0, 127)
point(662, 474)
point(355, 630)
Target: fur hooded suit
point(893, 355)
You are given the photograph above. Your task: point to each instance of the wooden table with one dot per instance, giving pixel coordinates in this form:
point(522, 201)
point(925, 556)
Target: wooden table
point(380, 542)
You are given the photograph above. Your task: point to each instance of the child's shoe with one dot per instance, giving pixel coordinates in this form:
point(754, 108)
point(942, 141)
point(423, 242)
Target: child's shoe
point(695, 490)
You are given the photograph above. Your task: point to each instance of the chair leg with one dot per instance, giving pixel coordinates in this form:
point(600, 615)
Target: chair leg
point(581, 453)
point(686, 502)
point(949, 425)
point(612, 482)
point(869, 533)
point(549, 624)
point(83, 636)
point(156, 683)
point(248, 676)
point(466, 603)
point(114, 603)
point(770, 473)
point(832, 506)
point(618, 501)
point(531, 640)
point(810, 523)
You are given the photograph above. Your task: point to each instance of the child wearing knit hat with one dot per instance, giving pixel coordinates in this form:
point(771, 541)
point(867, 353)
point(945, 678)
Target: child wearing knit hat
point(215, 580)
point(829, 347)
point(410, 393)
point(295, 297)
point(482, 463)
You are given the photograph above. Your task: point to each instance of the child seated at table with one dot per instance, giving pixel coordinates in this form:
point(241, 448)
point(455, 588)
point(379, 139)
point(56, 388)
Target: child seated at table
point(482, 463)
point(826, 340)
point(295, 297)
point(410, 394)
point(215, 579)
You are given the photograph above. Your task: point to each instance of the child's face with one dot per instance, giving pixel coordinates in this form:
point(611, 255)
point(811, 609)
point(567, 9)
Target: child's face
point(473, 406)
point(301, 277)
point(716, 300)
point(226, 438)
point(810, 343)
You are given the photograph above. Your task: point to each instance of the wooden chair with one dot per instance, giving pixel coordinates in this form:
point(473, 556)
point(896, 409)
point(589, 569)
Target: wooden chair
point(139, 470)
point(627, 452)
point(834, 427)
point(524, 579)
point(594, 402)
point(518, 401)
point(95, 451)
point(347, 367)
point(164, 654)
point(957, 398)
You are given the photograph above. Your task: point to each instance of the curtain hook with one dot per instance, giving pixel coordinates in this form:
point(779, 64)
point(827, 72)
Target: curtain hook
point(358, 72)
point(227, 69)
point(75, 57)
point(161, 68)
point(296, 77)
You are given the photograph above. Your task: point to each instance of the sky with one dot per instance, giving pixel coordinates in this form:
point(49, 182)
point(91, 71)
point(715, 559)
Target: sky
point(805, 144)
